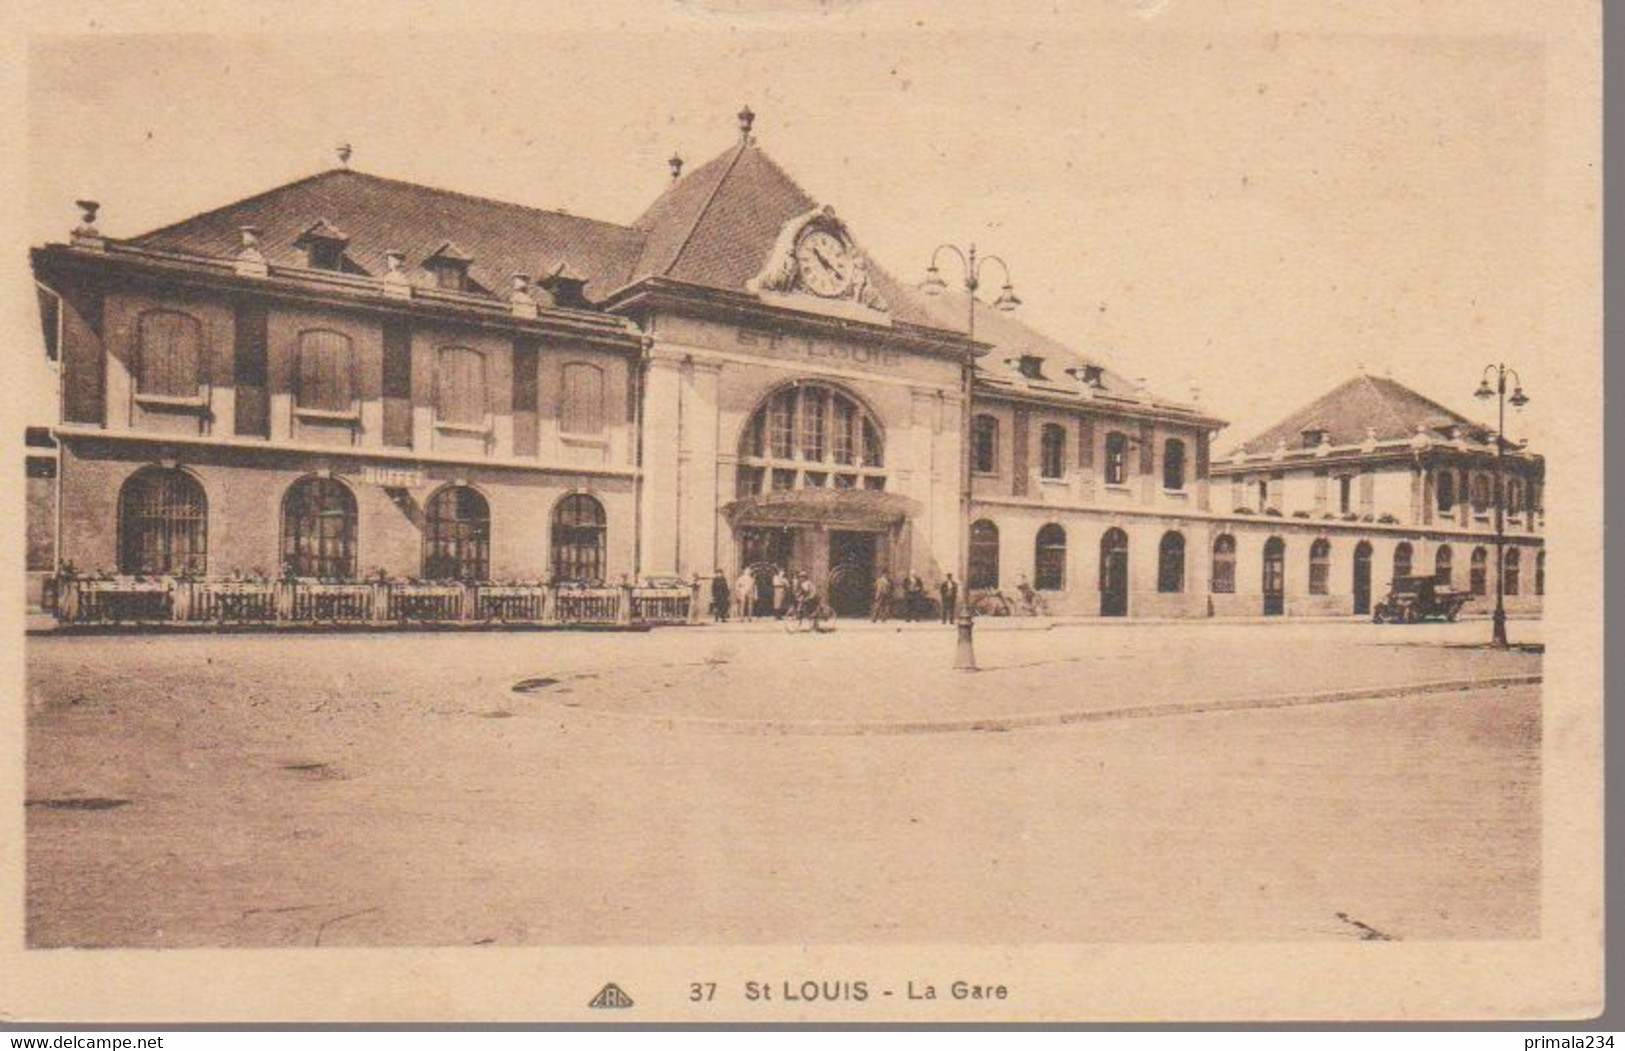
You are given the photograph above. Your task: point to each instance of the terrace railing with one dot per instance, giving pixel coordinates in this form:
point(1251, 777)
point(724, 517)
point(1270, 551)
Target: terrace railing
point(185, 600)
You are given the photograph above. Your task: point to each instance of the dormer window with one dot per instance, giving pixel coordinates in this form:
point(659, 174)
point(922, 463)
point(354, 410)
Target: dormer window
point(567, 288)
point(1088, 375)
point(1313, 436)
point(449, 265)
point(324, 246)
point(1031, 366)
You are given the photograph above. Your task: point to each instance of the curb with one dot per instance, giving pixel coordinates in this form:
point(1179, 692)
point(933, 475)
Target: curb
point(1036, 720)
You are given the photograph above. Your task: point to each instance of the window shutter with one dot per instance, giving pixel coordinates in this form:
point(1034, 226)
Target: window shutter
point(583, 407)
point(326, 379)
point(461, 395)
point(171, 354)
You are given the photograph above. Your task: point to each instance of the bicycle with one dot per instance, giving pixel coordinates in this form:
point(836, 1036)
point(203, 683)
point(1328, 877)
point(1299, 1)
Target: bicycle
point(800, 618)
point(998, 604)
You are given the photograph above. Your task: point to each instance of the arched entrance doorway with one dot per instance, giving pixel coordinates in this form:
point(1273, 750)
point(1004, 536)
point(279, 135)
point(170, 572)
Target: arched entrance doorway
point(851, 572)
point(1274, 577)
point(1362, 578)
point(1114, 574)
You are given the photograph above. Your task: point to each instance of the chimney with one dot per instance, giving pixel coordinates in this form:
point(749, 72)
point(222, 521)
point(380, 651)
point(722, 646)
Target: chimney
point(85, 235)
point(520, 300)
point(394, 279)
point(250, 260)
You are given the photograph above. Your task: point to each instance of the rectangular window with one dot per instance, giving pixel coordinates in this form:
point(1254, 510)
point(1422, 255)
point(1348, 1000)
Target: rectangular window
point(253, 401)
point(844, 435)
point(326, 372)
point(170, 362)
point(1052, 452)
point(1116, 458)
point(812, 424)
point(783, 479)
point(1345, 493)
point(460, 394)
point(985, 444)
point(781, 425)
point(874, 482)
point(582, 411)
point(748, 482)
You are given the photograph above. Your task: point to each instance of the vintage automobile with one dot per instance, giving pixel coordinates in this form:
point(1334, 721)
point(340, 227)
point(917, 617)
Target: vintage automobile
point(1413, 599)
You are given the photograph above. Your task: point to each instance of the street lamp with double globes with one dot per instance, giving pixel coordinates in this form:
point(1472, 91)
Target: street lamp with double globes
point(934, 285)
point(1518, 399)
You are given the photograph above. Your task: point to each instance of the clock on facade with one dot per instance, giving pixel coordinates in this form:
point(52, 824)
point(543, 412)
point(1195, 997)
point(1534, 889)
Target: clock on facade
point(824, 263)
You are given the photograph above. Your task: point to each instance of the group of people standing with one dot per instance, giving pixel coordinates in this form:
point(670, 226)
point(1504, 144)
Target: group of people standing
point(908, 598)
point(747, 599)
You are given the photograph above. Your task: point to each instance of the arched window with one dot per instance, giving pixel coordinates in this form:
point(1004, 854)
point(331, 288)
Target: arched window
point(163, 523)
point(1320, 567)
point(457, 535)
point(579, 531)
point(325, 373)
point(810, 435)
point(1173, 464)
point(983, 571)
point(169, 361)
point(1481, 493)
point(1509, 579)
point(1052, 451)
point(1514, 496)
point(1445, 489)
point(319, 529)
point(1171, 563)
point(1540, 572)
point(460, 395)
point(1224, 565)
point(1116, 458)
point(984, 444)
point(581, 410)
point(1049, 559)
point(1274, 579)
point(1402, 560)
point(1478, 572)
point(1443, 568)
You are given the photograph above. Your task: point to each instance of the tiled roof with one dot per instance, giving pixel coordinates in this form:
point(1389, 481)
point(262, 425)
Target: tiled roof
point(380, 215)
point(716, 227)
point(1391, 410)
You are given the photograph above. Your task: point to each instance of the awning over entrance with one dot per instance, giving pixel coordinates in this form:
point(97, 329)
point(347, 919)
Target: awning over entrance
point(830, 508)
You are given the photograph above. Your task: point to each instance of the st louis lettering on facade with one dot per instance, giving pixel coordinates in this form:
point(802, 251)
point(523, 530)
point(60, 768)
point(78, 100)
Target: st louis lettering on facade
point(351, 378)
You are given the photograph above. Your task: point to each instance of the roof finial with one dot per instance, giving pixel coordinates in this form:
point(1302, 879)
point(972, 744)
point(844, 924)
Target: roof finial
point(344, 152)
point(676, 162)
point(746, 119)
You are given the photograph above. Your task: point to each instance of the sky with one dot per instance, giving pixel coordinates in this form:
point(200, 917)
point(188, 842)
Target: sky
point(1250, 210)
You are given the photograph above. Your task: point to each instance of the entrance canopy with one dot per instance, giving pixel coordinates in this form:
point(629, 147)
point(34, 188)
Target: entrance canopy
point(862, 509)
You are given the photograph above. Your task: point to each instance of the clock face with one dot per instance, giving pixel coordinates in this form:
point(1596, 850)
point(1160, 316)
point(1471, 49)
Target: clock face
point(825, 265)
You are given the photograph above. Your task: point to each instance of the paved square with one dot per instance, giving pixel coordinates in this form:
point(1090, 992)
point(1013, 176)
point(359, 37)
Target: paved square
point(687, 785)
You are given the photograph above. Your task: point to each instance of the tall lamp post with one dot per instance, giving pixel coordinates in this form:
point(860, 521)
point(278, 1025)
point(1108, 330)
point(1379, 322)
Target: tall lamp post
point(1518, 400)
point(965, 650)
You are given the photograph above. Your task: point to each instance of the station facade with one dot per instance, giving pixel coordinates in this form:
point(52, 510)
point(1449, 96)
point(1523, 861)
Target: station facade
point(352, 377)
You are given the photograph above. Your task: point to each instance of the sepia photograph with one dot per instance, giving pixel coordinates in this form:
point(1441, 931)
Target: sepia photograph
point(707, 501)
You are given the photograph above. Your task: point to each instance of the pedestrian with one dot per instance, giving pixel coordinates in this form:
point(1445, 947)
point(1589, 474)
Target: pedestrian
point(781, 591)
point(745, 593)
point(913, 597)
point(719, 597)
point(948, 592)
point(881, 610)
